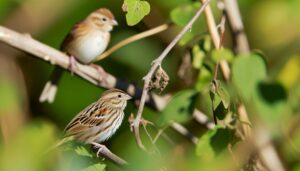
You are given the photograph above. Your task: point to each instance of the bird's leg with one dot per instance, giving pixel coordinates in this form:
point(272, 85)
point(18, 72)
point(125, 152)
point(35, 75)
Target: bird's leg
point(100, 147)
point(72, 64)
point(101, 72)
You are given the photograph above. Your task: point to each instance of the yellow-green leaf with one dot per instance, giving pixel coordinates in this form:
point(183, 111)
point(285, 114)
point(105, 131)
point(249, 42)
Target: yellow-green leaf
point(136, 11)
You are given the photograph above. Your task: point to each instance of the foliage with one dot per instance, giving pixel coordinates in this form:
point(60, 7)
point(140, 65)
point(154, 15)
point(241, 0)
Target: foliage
point(136, 11)
point(265, 81)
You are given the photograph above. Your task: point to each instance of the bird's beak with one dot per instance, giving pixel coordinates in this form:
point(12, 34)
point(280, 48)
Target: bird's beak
point(114, 23)
point(128, 97)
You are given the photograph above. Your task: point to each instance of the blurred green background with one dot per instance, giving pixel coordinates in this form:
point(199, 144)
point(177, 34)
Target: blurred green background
point(29, 128)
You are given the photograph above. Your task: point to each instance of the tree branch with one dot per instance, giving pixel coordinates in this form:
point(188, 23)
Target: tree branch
point(106, 153)
point(133, 38)
point(156, 63)
point(236, 25)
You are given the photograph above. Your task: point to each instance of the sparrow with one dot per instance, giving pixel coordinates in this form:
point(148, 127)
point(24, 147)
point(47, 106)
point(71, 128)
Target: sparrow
point(84, 43)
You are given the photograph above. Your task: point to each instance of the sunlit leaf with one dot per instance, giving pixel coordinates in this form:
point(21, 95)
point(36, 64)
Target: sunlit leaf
point(204, 78)
point(136, 10)
point(179, 109)
point(247, 71)
point(198, 56)
point(95, 167)
point(290, 73)
point(223, 54)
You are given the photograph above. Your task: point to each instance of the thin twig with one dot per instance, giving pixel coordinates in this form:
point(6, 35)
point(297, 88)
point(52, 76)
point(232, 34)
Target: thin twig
point(133, 38)
point(212, 28)
point(222, 31)
point(156, 63)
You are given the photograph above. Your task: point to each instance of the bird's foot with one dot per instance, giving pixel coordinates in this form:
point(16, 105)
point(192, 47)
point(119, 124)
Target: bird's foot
point(102, 74)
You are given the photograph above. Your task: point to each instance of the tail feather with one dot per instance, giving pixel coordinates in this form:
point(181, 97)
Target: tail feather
point(50, 89)
point(48, 93)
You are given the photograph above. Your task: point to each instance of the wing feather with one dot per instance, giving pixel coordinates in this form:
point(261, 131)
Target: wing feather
point(91, 116)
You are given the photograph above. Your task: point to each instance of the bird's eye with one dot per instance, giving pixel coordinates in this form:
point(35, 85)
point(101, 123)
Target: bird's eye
point(104, 19)
point(119, 95)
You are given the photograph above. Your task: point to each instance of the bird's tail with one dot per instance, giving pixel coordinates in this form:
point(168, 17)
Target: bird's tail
point(50, 89)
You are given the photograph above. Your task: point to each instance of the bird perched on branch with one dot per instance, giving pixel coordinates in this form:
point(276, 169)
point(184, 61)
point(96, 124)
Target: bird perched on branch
point(84, 43)
point(99, 121)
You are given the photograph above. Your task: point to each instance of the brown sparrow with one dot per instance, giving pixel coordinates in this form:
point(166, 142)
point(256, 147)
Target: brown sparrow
point(100, 120)
point(84, 43)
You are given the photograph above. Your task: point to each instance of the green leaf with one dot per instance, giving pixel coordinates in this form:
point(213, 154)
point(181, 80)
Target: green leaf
point(136, 11)
point(179, 109)
point(198, 57)
point(224, 96)
point(213, 142)
point(271, 101)
point(80, 150)
point(247, 72)
point(219, 94)
point(204, 78)
point(220, 100)
point(223, 54)
point(206, 44)
point(182, 15)
point(95, 167)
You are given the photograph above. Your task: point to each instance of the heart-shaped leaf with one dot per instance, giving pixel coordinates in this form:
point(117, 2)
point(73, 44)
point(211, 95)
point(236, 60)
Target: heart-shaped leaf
point(136, 10)
point(214, 142)
point(247, 71)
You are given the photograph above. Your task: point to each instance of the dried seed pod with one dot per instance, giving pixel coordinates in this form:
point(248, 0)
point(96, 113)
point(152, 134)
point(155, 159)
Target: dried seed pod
point(159, 80)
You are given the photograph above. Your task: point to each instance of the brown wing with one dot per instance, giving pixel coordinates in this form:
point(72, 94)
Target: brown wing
point(77, 30)
point(91, 116)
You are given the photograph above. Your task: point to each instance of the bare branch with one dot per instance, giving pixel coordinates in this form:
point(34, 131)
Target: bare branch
point(236, 25)
point(156, 63)
point(266, 149)
point(183, 131)
point(201, 118)
point(106, 153)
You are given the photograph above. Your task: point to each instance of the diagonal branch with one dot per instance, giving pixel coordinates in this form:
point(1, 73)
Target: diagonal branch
point(106, 153)
point(133, 38)
point(156, 63)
